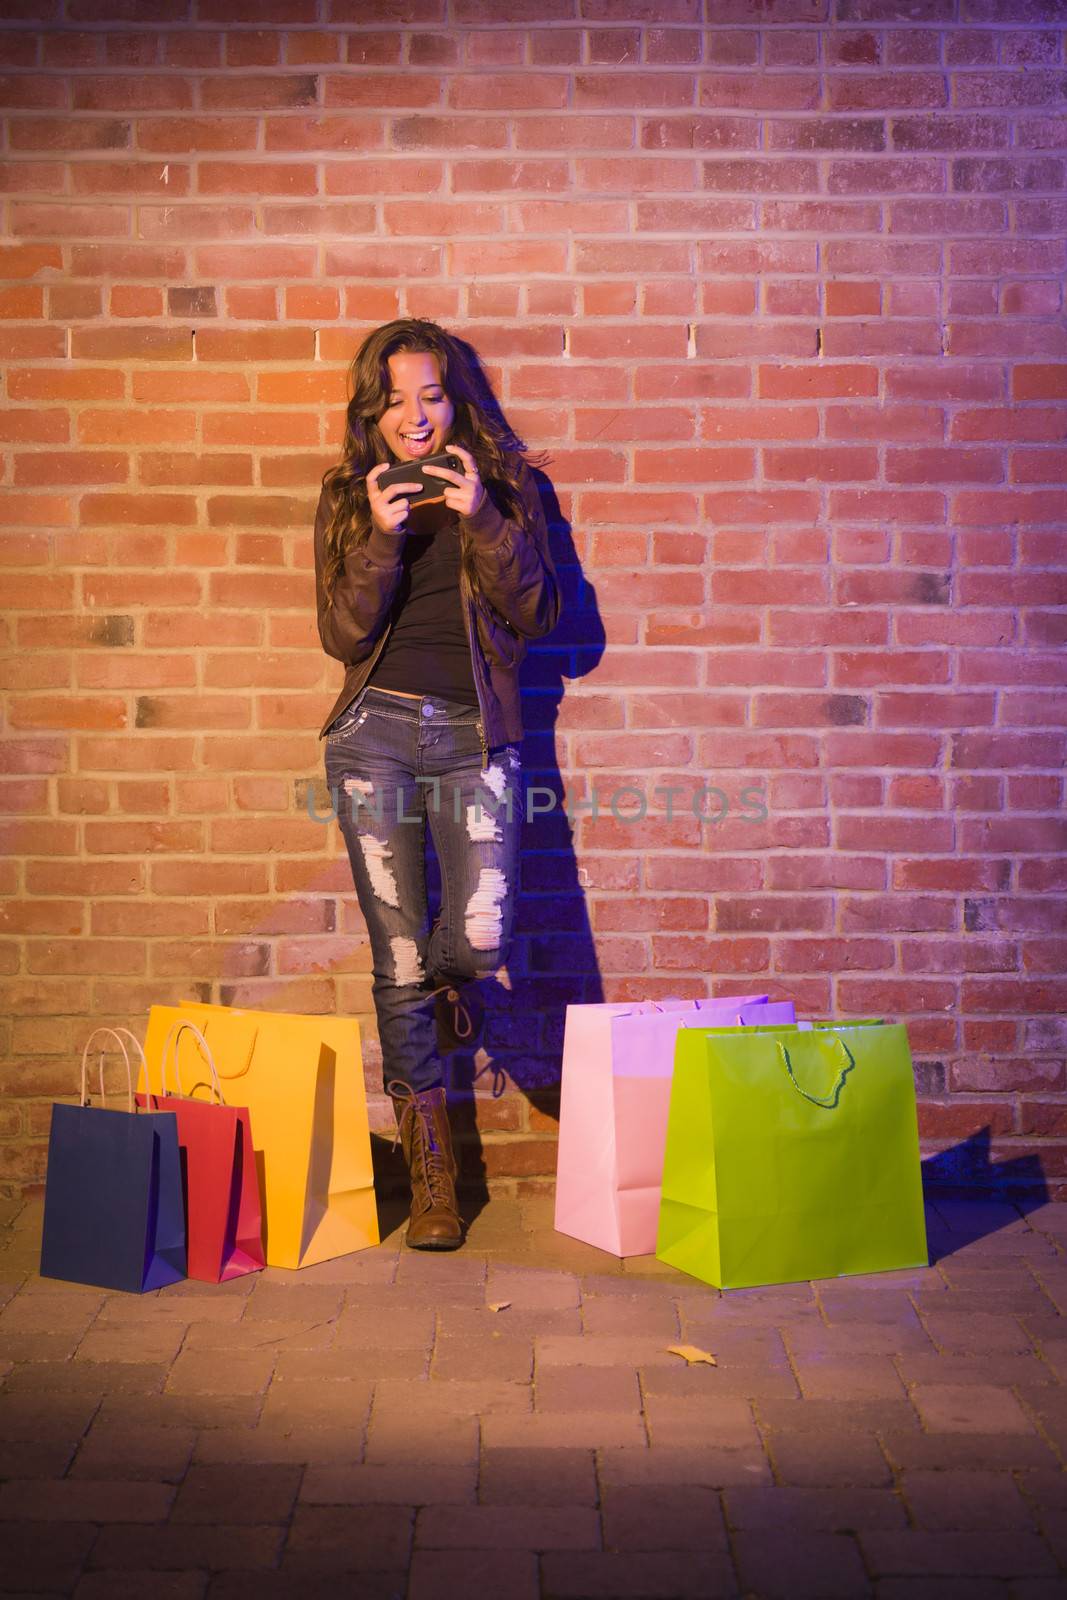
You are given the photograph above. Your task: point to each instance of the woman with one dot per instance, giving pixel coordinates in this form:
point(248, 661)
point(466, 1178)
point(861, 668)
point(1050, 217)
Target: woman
point(429, 606)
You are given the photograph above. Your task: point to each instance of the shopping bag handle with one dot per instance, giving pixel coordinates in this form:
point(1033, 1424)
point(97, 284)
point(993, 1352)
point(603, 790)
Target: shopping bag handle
point(227, 1077)
point(144, 1064)
point(830, 1103)
point(676, 1011)
point(84, 1098)
point(170, 1046)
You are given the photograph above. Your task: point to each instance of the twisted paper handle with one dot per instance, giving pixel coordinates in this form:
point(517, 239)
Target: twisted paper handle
point(170, 1047)
point(830, 1103)
point(114, 1033)
point(140, 1051)
point(228, 1077)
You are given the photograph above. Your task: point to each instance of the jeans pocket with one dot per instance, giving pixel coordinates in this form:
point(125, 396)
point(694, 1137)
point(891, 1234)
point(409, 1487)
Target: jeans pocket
point(350, 719)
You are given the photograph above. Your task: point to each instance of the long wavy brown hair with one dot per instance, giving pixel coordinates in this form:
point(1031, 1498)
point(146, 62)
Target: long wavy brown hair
point(479, 426)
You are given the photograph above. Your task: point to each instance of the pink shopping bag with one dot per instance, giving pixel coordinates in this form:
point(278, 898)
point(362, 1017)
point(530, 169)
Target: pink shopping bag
point(614, 1099)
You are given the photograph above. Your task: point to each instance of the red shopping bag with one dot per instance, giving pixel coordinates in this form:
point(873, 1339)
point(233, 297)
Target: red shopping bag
point(224, 1219)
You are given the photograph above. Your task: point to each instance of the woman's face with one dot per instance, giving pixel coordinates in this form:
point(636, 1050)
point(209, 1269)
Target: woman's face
point(418, 415)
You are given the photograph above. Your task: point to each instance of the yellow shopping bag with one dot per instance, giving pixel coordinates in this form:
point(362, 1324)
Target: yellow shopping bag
point(301, 1078)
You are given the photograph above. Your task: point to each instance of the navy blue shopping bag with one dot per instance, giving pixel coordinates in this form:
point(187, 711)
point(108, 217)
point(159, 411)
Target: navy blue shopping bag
point(113, 1208)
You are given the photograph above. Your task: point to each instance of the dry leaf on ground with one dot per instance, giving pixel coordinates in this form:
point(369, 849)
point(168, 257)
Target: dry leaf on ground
point(692, 1354)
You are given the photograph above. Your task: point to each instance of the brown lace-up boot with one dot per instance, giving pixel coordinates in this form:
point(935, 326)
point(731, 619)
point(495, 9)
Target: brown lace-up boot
point(426, 1140)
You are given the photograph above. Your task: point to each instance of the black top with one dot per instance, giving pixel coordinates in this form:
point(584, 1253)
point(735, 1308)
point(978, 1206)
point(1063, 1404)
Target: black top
point(428, 651)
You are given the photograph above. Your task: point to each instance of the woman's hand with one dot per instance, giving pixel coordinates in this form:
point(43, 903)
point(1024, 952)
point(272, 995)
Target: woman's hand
point(388, 509)
point(463, 494)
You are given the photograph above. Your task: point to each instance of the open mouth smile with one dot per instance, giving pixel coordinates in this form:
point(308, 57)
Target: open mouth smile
point(420, 442)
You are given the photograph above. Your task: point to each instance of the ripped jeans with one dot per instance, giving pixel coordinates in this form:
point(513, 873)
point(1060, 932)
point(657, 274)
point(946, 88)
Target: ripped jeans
point(391, 765)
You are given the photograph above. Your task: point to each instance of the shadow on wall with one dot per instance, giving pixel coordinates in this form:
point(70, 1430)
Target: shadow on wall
point(552, 960)
point(971, 1197)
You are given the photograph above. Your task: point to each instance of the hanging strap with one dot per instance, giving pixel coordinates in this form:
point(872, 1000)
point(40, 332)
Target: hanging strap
point(830, 1102)
point(114, 1034)
point(170, 1046)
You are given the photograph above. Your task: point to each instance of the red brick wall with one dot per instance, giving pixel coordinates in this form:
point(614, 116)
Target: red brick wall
point(784, 303)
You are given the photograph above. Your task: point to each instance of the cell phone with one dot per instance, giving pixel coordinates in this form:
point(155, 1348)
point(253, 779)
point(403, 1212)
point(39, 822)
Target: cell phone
point(411, 472)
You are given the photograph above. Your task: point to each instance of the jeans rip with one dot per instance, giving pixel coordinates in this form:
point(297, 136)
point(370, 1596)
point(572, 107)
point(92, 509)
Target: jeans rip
point(402, 776)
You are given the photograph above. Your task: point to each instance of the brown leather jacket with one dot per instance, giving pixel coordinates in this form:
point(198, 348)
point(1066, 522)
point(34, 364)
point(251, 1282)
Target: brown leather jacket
point(520, 600)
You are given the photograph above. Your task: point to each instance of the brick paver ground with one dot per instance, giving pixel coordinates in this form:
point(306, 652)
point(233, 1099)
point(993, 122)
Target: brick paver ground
point(372, 1427)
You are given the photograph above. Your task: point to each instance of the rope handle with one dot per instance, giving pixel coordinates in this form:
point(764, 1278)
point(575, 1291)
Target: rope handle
point(830, 1103)
point(227, 1077)
point(84, 1097)
point(170, 1047)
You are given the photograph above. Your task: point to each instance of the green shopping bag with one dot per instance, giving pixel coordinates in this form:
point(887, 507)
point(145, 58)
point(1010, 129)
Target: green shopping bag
point(792, 1154)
